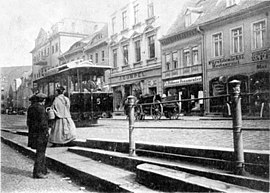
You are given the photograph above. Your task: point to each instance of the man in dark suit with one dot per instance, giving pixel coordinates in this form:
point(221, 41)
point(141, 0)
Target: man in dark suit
point(37, 122)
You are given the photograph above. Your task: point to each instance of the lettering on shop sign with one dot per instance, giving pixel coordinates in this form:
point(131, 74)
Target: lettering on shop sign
point(260, 55)
point(225, 62)
point(261, 66)
point(132, 76)
point(179, 81)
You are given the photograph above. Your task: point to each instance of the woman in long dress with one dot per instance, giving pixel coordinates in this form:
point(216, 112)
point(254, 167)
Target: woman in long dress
point(63, 129)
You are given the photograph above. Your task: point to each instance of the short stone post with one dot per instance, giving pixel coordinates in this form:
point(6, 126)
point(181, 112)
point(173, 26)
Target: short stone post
point(237, 127)
point(131, 102)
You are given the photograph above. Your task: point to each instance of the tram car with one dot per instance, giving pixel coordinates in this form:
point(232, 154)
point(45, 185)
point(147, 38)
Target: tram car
point(91, 106)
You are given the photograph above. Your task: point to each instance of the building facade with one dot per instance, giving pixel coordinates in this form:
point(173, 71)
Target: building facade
point(134, 49)
point(93, 48)
point(49, 46)
point(182, 59)
point(237, 46)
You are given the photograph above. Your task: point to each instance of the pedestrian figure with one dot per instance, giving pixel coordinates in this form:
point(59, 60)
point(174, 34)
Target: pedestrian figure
point(37, 123)
point(63, 130)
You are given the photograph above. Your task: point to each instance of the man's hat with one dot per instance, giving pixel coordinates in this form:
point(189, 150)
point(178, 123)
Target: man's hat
point(60, 88)
point(33, 98)
point(41, 95)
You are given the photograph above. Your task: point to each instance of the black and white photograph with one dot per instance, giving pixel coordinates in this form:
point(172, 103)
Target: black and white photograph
point(135, 96)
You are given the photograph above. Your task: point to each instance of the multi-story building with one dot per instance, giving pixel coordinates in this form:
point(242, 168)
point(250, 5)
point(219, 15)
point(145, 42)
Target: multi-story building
point(237, 46)
point(93, 48)
point(134, 49)
point(213, 42)
point(182, 58)
point(49, 46)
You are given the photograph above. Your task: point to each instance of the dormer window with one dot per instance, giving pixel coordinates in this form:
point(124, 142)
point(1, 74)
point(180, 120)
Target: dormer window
point(230, 3)
point(191, 15)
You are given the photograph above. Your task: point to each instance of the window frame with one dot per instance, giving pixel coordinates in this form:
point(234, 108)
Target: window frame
point(137, 50)
point(136, 14)
point(102, 55)
point(150, 9)
point(113, 25)
point(252, 34)
point(150, 47)
point(115, 58)
point(185, 63)
point(124, 20)
point(212, 45)
point(125, 54)
point(175, 63)
point(195, 48)
point(96, 57)
point(232, 40)
point(168, 61)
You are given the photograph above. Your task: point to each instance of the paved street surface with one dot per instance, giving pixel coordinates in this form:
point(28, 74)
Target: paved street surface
point(16, 176)
point(117, 129)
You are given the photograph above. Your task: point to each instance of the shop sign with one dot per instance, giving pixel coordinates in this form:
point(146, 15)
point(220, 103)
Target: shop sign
point(180, 81)
point(225, 62)
point(131, 76)
point(260, 55)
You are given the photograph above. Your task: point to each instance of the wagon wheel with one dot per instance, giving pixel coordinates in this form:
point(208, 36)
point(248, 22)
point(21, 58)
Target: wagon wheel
point(156, 110)
point(138, 112)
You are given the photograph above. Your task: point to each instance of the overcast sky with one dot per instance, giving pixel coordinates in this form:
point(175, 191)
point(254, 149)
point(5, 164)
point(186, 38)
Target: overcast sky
point(21, 21)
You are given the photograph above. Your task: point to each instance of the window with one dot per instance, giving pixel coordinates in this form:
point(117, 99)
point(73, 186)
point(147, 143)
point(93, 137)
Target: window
point(138, 50)
point(175, 60)
point(125, 54)
point(113, 25)
point(115, 58)
point(52, 49)
point(48, 51)
point(186, 58)
point(259, 34)
point(91, 58)
point(102, 56)
point(96, 58)
point(136, 14)
point(56, 47)
point(188, 19)
point(124, 19)
point(168, 61)
point(150, 8)
point(195, 55)
point(151, 45)
point(217, 44)
point(237, 40)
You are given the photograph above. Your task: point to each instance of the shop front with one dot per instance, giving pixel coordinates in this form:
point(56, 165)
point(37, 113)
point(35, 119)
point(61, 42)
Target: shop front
point(186, 88)
point(136, 84)
point(255, 89)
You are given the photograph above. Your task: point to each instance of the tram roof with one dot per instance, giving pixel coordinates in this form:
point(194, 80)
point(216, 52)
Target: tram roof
point(77, 64)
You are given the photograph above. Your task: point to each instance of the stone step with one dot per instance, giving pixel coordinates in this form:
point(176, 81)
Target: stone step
point(162, 178)
point(95, 174)
point(130, 163)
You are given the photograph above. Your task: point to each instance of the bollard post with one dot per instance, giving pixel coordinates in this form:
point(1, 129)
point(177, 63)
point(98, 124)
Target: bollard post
point(237, 127)
point(131, 102)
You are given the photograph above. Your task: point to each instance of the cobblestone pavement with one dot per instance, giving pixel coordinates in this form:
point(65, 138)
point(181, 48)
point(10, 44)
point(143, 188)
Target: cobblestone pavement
point(118, 130)
point(16, 176)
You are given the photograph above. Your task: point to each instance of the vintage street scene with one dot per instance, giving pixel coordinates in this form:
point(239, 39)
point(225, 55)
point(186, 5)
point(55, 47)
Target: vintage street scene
point(135, 96)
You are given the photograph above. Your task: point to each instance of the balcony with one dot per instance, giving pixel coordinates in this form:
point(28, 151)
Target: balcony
point(41, 61)
point(126, 67)
point(188, 70)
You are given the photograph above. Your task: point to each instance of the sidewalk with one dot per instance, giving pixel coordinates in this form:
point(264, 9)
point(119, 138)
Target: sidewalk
point(98, 175)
